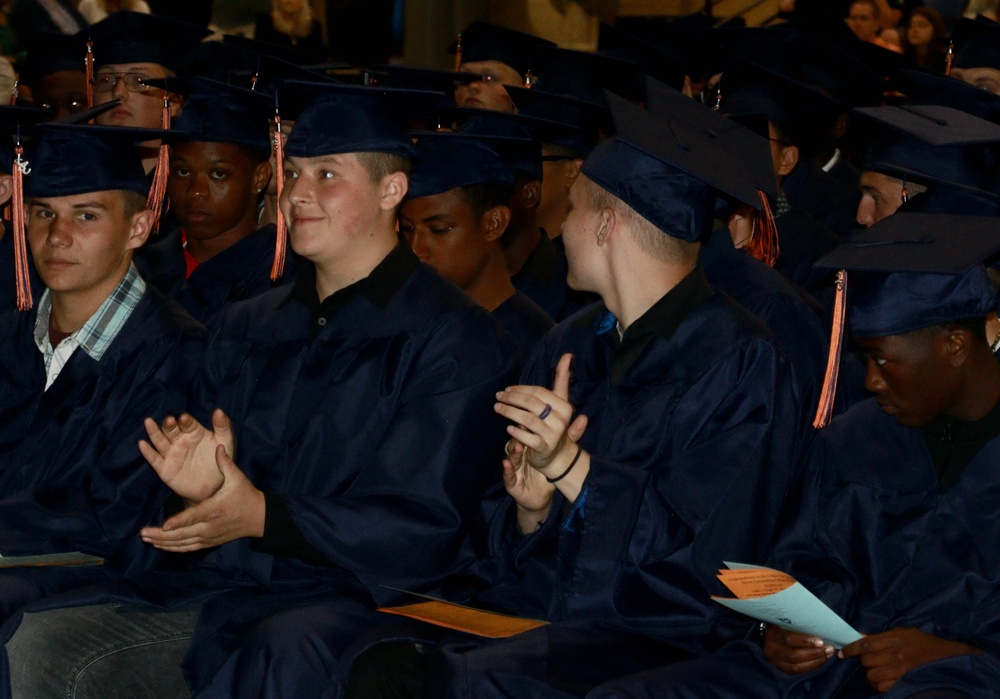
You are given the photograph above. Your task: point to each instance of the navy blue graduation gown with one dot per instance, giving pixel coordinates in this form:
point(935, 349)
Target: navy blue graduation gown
point(823, 196)
point(692, 454)
point(803, 240)
point(543, 280)
point(239, 272)
point(525, 322)
point(71, 475)
point(879, 543)
point(371, 430)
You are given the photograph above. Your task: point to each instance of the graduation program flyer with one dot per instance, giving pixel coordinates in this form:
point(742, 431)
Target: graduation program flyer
point(777, 598)
point(462, 618)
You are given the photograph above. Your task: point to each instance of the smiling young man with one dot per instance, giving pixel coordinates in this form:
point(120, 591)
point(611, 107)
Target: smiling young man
point(218, 171)
point(99, 351)
point(356, 404)
point(895, 527)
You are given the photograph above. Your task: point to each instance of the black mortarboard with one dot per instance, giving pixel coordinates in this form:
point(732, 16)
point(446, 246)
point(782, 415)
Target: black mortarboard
point(977, 44)
point(920, 270)
point(667, 169)
point(333, 118)
point(252, 64)
point(926, 87)
point(585, 121)
point(52, 53)
point(657, 60)
point(448, 160)
point(802, 113)
point(936, 125)
point(517, 138)
point(488, 42)
point(933, 144)
point(583, 74)
point(689, 39)
point(71, 159)
point(135, 37)
point(215, 112)
point(414, 78)
point(755, 171)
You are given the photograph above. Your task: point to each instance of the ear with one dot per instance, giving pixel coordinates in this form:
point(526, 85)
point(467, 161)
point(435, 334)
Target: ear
point(789, 159)
point(261, 176)
point(573, 171)
point(6, 188)
point(531, 194)
point(392, 189)
point(607, 221)
point(141, 227)
point(958, 342)
point(495, 222)
point(176, 102)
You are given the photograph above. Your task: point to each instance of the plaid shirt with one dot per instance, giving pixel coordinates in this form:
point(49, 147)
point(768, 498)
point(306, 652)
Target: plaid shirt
point(97, 333)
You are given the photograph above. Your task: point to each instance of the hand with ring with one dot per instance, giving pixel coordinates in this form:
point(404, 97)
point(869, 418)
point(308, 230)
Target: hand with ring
point(545, 436)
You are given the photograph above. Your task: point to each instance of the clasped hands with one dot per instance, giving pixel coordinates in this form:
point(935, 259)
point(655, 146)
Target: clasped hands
point(885, 656)
point(197, 464)
point(543, 445)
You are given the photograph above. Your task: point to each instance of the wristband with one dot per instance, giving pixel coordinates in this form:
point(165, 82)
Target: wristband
point(579, 450)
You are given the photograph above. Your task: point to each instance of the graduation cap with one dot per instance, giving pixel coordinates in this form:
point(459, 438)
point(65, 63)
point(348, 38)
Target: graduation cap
point(516, 137)
point(413, 78)
point(135, 37)
point(51, 53)
point(333, 118)
point(658, 60)
point(804, 114)
point(253, 64)
point(448, 160)
point(934, 144)
point(69, 159)
point(215, 112)
point(668, 169)
point(584, 121)
point(689, 39)
point(919, 270)
point(977, 43)
point(583, 74)
point(481, 41)
point(926, 87)
point(749, 178)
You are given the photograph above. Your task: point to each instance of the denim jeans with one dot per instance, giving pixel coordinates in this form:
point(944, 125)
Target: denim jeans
point(103, 651)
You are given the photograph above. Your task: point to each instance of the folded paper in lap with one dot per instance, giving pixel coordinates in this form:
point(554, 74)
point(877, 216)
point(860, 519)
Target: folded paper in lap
point(776, 598)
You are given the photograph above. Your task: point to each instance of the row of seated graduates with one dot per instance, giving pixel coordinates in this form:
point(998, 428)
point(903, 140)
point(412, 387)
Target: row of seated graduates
point(760, 84)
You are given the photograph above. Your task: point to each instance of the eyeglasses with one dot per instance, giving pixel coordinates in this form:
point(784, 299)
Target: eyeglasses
point(106, 82)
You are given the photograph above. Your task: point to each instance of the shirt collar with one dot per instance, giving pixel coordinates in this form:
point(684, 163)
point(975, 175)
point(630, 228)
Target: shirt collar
point(103, 326)
point(378, 287)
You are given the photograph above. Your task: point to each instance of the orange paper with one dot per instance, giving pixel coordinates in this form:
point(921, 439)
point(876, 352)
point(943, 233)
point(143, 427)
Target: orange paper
point(467, 619)
point(754, 582)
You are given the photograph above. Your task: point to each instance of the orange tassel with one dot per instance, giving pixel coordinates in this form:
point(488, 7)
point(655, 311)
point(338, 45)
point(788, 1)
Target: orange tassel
point(24, 301)
point(281, 237)
point(764, 246)
point(949, 57)
point(458, 53)
point(529, 79)
point(15, 92)
point(88, 65)
point(824, 410)
point(158, 190)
